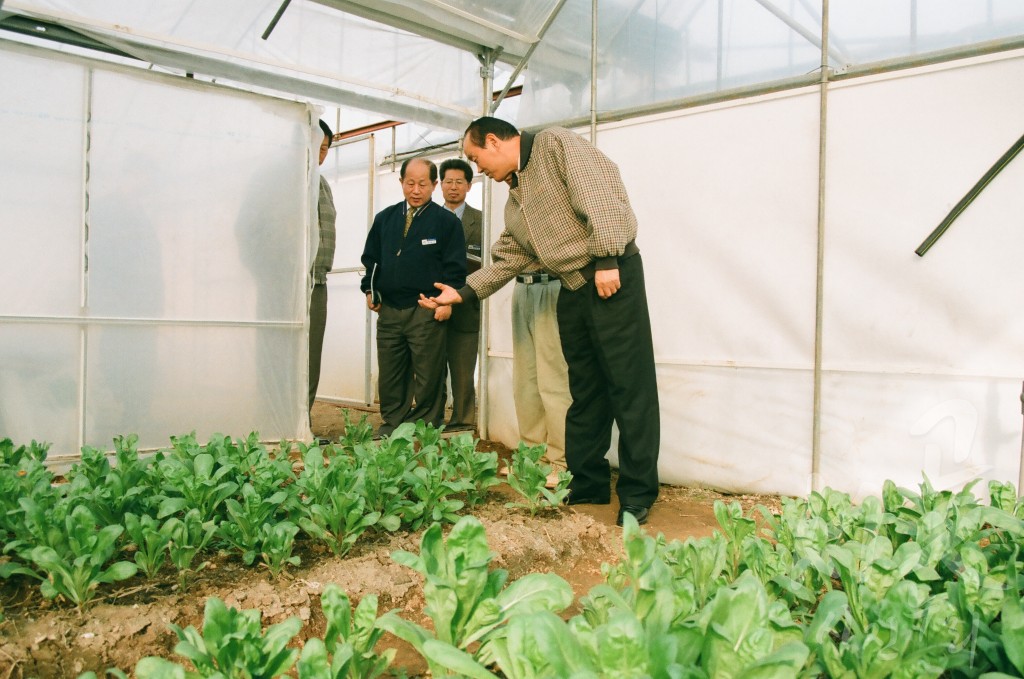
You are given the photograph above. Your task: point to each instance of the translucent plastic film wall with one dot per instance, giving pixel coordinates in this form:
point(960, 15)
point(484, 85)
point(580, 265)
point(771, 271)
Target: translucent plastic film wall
point(155, 238)
point(655, 51)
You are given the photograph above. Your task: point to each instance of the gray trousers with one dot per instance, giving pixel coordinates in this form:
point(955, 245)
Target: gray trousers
point(462, 351)
point(411, 366)
point(317, 325)
point(540, 377)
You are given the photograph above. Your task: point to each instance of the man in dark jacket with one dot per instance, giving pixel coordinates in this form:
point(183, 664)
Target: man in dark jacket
point(411, 245)
point(464, 327)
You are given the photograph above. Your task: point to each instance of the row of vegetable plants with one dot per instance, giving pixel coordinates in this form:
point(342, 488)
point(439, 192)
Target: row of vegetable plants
point(907, 585)
point(110, 522)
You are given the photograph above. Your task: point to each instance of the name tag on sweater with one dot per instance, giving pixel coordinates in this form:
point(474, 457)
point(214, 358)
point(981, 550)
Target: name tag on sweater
point(428, 241)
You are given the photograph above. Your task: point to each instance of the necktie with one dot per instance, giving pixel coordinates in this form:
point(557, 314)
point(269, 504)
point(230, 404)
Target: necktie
point(409, 214)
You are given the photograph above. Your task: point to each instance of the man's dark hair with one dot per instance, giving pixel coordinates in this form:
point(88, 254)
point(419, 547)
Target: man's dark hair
point(327, 130)
point(481, 127)
point(430, 164)
point(457, 164)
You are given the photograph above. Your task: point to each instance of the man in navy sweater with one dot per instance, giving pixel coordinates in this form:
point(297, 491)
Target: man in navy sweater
point(412, 245)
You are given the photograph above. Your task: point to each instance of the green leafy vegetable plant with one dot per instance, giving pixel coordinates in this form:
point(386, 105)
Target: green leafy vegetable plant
point(188, 536)
point(81, 565)
point(232, 645)
point(332, 508)
point(382, 478)
point(191, 479)
point(479, 468)
point(24, 476)
point(528, 476)
point(356, 433)
point(111, 491)
point(347, 649)
point(150, 543)
point(466, 600)
point(434, 488)
point(737, 528)
point(247, 518)
point(278, 542)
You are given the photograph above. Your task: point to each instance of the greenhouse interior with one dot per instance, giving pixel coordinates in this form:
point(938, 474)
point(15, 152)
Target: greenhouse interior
point(790, 164)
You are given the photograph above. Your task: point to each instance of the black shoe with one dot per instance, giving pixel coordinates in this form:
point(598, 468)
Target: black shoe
point(574, 499)
point(323, 443)
point(639, 513)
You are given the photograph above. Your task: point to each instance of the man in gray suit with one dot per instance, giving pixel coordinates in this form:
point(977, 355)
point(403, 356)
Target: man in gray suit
point(464, 326)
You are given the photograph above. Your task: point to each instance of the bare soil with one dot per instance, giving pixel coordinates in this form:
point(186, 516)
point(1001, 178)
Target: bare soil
point(39, 638)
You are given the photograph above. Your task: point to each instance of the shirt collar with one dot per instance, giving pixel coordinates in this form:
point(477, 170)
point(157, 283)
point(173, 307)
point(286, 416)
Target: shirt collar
point(459, 211)
point(525, 148)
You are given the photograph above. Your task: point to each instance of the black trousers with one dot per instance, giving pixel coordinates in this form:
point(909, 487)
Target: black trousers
point(411, 362)
point(608, 347)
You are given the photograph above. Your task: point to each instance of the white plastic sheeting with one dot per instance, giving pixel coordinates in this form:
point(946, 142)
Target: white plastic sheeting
point(652, 51)
point(155, 236)
point(314, 51)
point(424, 61)
point(921, 366)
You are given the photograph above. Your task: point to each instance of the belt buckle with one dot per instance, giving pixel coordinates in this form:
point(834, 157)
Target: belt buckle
point(534, 277)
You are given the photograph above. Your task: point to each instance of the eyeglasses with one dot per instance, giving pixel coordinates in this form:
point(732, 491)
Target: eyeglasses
point(453, 182)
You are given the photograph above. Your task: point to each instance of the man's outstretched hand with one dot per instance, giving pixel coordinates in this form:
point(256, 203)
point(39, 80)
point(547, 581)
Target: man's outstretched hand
point(447, 297)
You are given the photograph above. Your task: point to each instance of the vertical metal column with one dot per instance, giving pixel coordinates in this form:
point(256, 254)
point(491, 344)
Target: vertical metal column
point(371, 168)
point(83, 295)
point(482, 398)
point(593, 72)
point(819, 305)
point(720, 37)
point(1020, 469)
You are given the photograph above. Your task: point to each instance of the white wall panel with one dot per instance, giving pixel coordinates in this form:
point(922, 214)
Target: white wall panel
point(501, 412)
point(196, 201)
point(39, 367)
point(922, 355)
point(343, 362)
point(42, 134)
point(952, 429)
point(193, 203)
point(902, 152)
point(736, 429)
point(168, 380)
point(350, 199)
point(727, 228)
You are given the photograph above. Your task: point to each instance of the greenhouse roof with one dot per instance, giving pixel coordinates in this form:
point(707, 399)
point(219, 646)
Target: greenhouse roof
point(422, 61)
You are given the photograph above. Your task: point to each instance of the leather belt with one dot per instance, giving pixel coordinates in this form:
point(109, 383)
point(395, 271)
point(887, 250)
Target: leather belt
point(535, 277)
